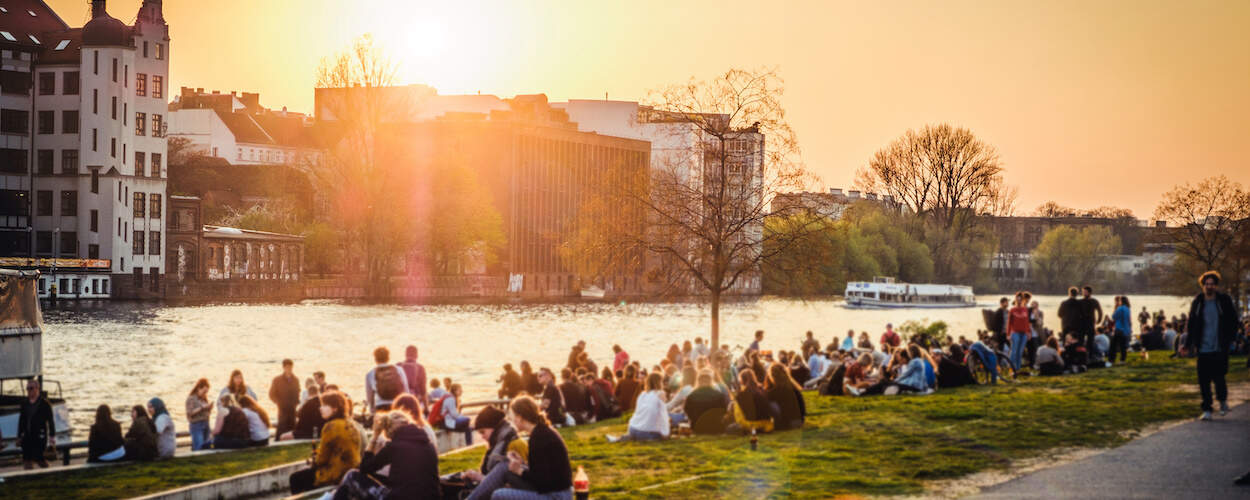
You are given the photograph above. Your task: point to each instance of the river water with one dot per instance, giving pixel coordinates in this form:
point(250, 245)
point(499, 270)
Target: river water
point(122, 354)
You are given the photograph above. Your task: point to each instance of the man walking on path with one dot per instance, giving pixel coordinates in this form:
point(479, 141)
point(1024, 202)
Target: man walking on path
point(1213, 322)
point(36, 431)
point(284, 392)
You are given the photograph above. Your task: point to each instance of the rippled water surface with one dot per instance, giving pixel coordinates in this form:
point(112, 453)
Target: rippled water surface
point(124, 353)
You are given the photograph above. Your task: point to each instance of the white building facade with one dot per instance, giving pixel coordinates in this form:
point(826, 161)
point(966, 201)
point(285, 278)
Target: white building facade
point(98, 156)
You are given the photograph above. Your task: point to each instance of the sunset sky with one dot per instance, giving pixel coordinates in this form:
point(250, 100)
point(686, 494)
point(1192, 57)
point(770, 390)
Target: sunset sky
point(1089, 102)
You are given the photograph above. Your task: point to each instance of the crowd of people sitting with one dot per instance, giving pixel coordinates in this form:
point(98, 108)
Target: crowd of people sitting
point(695, 388)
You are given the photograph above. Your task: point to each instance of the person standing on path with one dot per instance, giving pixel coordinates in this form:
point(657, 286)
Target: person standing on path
point(1213, 322)
point(284, 392)
point(36, 431)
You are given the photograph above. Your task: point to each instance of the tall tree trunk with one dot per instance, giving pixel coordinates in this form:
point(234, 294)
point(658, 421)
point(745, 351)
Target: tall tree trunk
point(715, 320)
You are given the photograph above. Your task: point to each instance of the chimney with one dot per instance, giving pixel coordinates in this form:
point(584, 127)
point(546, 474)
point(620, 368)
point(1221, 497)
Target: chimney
point(199, 90)
point(97, 9)
point(835, 191)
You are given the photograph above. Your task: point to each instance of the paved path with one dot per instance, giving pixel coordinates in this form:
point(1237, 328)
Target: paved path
point(1191, 460)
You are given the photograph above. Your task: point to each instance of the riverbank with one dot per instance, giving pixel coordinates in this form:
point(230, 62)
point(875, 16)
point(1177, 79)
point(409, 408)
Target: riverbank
point(898, 445)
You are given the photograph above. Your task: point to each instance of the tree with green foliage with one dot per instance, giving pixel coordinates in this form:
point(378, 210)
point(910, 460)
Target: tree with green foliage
point(1068, 256)
point(464, 226)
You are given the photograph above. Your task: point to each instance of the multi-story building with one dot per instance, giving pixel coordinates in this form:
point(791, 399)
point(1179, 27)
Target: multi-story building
point(235, 128)
point(537, 167)
point(88, 135)
point(830, 204)
point(685, 152)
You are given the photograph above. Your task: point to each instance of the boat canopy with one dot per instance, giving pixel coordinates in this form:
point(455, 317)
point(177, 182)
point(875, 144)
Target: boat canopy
point(21, 325)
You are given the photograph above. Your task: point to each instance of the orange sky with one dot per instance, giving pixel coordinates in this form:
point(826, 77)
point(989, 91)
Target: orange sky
point(1089, 103)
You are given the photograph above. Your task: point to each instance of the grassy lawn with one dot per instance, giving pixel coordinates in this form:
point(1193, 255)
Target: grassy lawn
point(850, 446)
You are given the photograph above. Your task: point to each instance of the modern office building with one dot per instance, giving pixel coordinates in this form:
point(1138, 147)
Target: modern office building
point(83, 137)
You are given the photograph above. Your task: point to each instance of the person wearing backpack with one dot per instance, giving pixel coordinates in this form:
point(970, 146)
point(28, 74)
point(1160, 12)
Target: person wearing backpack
point(384, 382)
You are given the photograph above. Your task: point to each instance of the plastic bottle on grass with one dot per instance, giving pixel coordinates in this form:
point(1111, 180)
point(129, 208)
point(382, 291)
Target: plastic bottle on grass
point(581, 484)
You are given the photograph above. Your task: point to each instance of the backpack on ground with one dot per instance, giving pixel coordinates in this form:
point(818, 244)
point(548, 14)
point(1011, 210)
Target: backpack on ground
point(387, 382)
point(436, 412)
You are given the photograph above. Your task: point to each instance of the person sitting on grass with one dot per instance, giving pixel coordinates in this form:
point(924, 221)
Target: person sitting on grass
point(753, 412)
point(451, 417)
point(308, 420)
point(650, 421)
point(257, 422)
point(230, 431)
point(787, 394)
point(105, 442)
point(141, 438)
point(952, 369)
point(859, 374)
point(676, 404)
point(337, 452)
point(1074, 355)
point(547, 474)
point(703, 398)
point(627, 388)
point(1048, 361)
point(600, 391)
point(500, 438)
point(410, 455)
point(910, 374)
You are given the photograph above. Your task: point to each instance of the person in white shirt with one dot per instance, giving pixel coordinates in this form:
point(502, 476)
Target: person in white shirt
point(166, 435)
point(650, 420)
point(700, 349)
point(676, 405)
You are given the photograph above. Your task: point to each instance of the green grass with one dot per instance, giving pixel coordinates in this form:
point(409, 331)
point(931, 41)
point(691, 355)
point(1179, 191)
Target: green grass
point(850, 446)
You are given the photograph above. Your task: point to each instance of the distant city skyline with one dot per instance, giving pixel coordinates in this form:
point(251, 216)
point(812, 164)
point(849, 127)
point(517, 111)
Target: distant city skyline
point(1130, 98)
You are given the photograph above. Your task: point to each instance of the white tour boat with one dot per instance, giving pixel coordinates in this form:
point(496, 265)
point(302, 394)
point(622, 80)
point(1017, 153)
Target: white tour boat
point(21, 358)
point(888, 293)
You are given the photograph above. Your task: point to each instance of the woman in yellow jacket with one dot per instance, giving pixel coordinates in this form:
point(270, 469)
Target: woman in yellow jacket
point(337, 452)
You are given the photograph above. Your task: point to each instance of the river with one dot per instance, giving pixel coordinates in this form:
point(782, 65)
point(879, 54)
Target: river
point(123, 353)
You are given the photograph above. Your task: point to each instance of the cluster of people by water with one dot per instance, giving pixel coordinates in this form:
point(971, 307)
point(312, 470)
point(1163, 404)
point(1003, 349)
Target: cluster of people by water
point(389, 450)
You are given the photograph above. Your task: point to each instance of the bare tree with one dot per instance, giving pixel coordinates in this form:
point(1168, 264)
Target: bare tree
point(724, 152)
point(948, 177)
point(1210, 221)
point(364, 169)
point(1054, 210)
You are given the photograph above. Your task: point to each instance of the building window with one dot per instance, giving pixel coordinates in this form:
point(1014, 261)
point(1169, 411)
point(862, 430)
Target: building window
point(69, 83)
point(69, 244)
point(158, 86)
point(95, 62)
point(95, 221)
point(69, 165)
point(93, 252)
point(14, 121)
point(13, 161)
point(141, 166)
point(157, 121)
point(69, 203)
point(155, 273)
point(95, 178)
point(43, 204)
point(138, 277)
point(156, 164)
point(141, 123)
point(69, 122)
point(15, 82)
point(139, 205)
point(114, 70)
point(95, 101)
point(94, 140)
point(154, 211)
point(44, 159)
point(47, 83)
point(160, 52)
point(47, 122)
point(137, 245)
point(113, 146)
point(125, 112)
point(141, 83)
point(145, 48)
point(114, 108)
point(43, 242)
point(154, 243)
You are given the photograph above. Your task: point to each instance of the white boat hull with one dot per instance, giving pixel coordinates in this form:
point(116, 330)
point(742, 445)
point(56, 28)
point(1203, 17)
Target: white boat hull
point(895, 305)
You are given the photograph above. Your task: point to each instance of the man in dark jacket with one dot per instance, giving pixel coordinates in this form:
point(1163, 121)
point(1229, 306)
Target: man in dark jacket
point(415, 373)
point(414, 469)
point(36, 431)
point(510, 382)
point(702, 399)
point(576, 402)
point(1091, 316)
point(1213, 322)
point(1069, 313)
point(284, 392)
